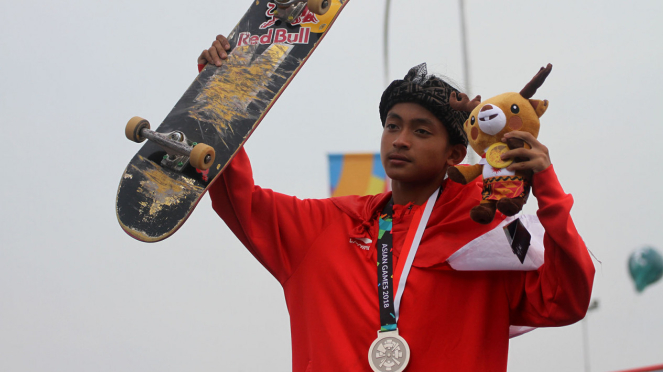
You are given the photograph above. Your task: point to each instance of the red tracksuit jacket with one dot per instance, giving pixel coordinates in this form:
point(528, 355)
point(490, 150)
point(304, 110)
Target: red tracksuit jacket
point(452, 320)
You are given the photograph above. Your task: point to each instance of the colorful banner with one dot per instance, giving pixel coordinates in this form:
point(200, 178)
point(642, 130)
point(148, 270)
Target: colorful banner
point(357, 174)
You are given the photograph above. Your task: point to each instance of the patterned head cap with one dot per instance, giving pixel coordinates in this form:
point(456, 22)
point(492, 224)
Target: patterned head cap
point(430, 92)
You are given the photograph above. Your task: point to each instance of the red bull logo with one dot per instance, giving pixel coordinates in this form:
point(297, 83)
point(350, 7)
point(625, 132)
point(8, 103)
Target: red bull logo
point(205, 174)
point(305, 17)
point(275, 36)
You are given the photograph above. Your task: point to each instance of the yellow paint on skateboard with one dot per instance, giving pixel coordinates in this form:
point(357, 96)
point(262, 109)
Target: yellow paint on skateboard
point(160, 189)
point(227, 95)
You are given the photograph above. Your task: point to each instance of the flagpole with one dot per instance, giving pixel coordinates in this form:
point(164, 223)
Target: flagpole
point(386, 42)
point(585, 335)
point(471, 155)
point(463, 38)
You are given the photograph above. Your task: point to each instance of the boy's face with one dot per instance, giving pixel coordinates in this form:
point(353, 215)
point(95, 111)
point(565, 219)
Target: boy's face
point(415, 145)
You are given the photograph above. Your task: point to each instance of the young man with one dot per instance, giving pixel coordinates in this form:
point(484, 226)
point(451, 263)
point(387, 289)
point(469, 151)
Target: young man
point(324, 252)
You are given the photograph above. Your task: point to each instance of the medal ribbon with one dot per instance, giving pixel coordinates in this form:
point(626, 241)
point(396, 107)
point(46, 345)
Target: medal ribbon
point(389, 309)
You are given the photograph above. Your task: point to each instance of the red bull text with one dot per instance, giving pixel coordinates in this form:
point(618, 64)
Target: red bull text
point(278, 36)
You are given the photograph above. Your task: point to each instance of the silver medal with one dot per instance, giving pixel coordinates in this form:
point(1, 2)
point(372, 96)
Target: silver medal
point(389, 353)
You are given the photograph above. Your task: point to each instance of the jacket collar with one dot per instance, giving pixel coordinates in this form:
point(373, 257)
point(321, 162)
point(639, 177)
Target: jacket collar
point(449, 227)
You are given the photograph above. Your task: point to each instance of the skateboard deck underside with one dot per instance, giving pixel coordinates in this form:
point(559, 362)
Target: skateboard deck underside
point(221, 108)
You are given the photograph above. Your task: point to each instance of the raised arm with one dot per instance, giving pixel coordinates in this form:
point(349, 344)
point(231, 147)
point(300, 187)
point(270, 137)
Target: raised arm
point(558, 293)
point(277, 229)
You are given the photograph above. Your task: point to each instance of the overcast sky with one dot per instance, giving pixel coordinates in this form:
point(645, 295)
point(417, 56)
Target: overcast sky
point(78, 294)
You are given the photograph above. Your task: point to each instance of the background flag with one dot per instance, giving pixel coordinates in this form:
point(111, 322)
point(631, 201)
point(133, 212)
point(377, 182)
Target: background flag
point(646, 267)
point(357, 174)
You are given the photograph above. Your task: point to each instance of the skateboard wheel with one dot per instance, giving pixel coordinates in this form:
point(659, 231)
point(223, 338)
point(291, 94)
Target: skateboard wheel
point(202, 156)
point(319, 7)
point(133, 128)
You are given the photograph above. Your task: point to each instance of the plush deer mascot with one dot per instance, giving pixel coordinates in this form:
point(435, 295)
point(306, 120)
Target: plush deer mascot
point(488, 122)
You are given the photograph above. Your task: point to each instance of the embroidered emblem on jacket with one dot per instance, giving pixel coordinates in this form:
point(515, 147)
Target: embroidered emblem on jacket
point(363, 243)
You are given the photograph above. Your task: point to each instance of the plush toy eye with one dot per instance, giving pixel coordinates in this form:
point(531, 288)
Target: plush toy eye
point(472, 120)
point(515, 109)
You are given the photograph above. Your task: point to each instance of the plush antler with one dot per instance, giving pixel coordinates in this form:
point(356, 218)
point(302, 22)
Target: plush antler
point(464, 104)
point(537, 81)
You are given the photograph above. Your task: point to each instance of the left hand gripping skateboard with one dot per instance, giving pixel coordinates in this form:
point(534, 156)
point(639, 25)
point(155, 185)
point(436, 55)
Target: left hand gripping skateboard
point(168, 176)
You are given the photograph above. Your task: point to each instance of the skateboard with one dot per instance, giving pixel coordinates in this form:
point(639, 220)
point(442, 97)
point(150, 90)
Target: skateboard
point(216, 115)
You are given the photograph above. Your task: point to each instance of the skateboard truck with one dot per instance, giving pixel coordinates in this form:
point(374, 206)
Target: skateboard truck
point(289, 10)
point(179, 150)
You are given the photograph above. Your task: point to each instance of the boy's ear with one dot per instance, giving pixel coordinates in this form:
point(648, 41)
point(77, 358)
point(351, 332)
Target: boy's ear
point(458, 153)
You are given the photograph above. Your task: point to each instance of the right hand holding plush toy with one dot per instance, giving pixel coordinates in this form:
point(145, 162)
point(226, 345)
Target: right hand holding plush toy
point(504, 190)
